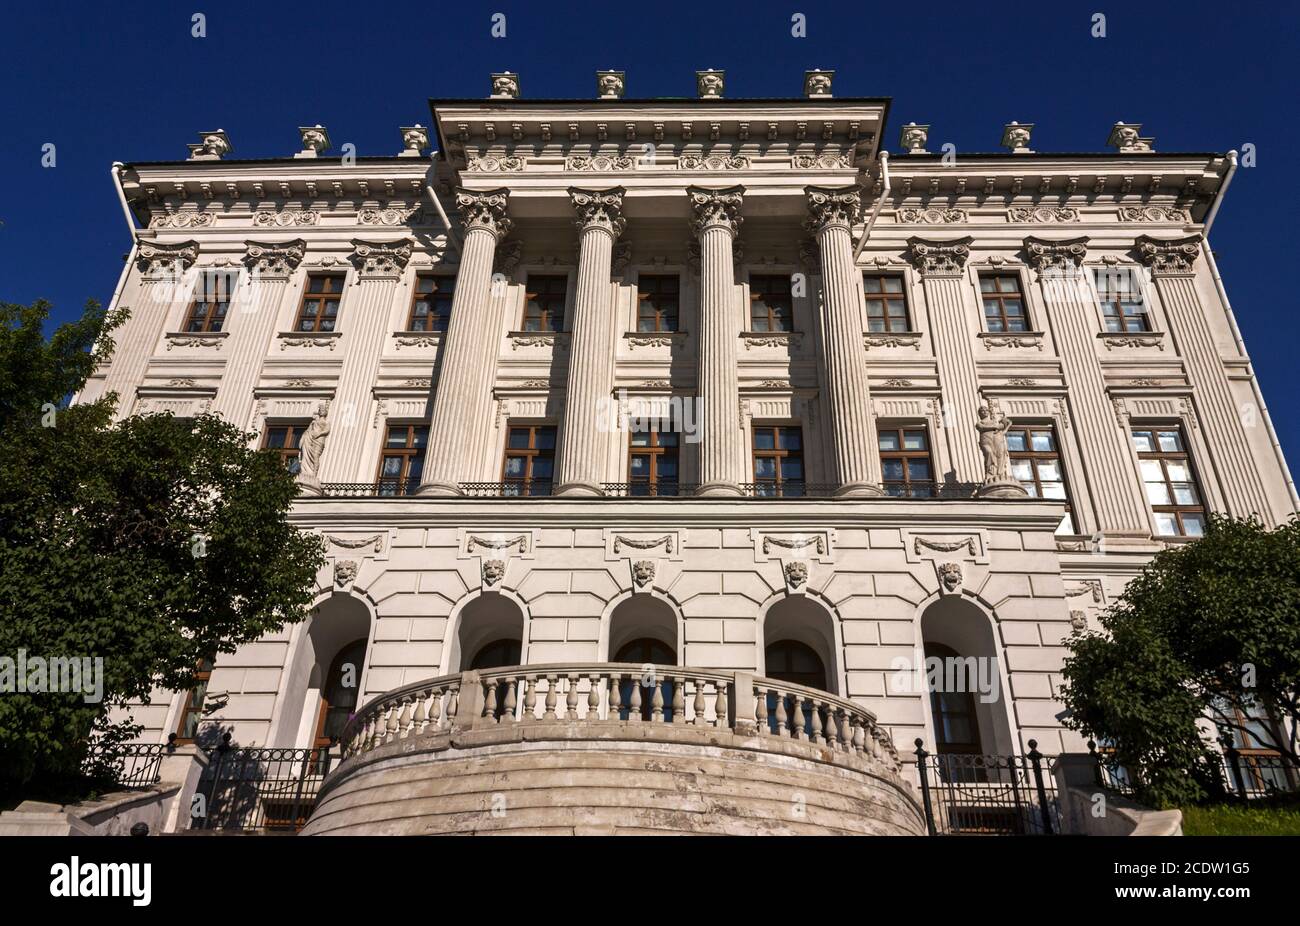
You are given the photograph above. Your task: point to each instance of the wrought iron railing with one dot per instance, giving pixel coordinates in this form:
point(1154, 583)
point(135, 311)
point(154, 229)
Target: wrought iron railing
point(621, 692)
point(1245, 774)
point(129, 766)
point(539, 488)
point(532, 488)
point(650, 489)
point(987, 795)
point(383, 488)
point(259, 789)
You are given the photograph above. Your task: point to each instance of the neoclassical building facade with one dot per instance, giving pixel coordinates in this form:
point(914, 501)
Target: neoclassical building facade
point(716, 385)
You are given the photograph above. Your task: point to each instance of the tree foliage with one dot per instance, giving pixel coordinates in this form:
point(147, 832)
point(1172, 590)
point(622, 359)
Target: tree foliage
point(1205, 628)
point(152, 543)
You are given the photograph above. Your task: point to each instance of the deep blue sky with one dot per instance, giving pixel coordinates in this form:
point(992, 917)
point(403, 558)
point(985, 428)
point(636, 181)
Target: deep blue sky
point(127, 81)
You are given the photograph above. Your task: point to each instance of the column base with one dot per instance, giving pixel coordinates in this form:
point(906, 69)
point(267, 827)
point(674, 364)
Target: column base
point(439, 490)
point(720, 490)
point(1009, 489)
point(310, 487)
point(580, 489)
point(859, 490)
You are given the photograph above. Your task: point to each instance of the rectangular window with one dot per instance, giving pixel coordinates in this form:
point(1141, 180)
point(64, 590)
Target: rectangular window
point(530, 459)
point(656, 303)
point(401, 462)
point(1036, 464)
point(431, 303)
point(771, 307)
point(1120, 292)
point(544, 310)
point(1169, 481)
point(886, 302)
point(320, 302)
point(1004, 304)
point(192, 705)
point(212, 295)
point(652, 459)
point(283, 439)
point(905, 461)
point(778, 461)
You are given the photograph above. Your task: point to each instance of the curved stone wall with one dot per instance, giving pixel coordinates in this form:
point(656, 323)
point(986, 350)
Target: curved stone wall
point(611, 778)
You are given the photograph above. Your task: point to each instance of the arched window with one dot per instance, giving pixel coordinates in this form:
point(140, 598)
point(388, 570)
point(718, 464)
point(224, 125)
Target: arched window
point(956, 726)
point(646, 651)
point(797, 663)
point(496, 654)
point(339, 693)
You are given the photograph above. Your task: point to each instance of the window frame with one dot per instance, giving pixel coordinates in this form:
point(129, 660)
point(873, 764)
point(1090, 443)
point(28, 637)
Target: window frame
point(778, 453)
point(401, 485)
point(659, 315)
point(1021, 292)
point(319, 300)
point(883, 298)
point(211, 301)
point(531, 454)
point(900, 428)
point(1105, 305)
point(288, 454)
point(417, 296)
point(202, 679)
point(549, 321)
point(655, 451)
point(1163, 457)
point(1033, 456)
point(320, 740)
point(755, 291)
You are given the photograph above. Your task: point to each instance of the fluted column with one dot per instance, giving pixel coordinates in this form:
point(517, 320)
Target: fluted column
point(363, 321)
point(1108, 463)
point(163, 284)
point(580, 460)
point(837, 321)
point(462, 399)
point(251, 322)
point(942, 265)
point(1172, 264)
point(722, 451)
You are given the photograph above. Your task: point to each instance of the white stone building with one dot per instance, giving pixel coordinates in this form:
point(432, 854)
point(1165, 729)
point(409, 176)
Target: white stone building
point(451, 359)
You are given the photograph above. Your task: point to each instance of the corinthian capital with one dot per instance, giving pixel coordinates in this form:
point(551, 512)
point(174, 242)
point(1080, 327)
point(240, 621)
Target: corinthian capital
point(486, 209)
point(712, 208)
point(831, 206)
point(163, 261)
point(274, 260)
point(1059, 258)
point(1168, 255)
point(939, 258)
point(380, 260)
point(599, 209)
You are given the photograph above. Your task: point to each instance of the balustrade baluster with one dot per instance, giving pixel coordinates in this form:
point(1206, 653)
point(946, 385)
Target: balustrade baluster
point(453, 705)
point(615, 695)
point(720, 708)
point(420, 719)
point(435, 710)
point(816, 719)
point(782, 721)
point(698, 705)
point(679, 699)
point(657, 702)
point(404, 719)
point(760, 711)
point(508, 708)
point(846, 732)
point(490, 699)
point(550, 698)
point(593, 696)
point(797, 719)
point(393, 725)
point(571, 698)
point(634, 703)
point(530, 697)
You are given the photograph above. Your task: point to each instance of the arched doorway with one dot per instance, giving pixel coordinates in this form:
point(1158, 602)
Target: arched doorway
point(490, 634)
point(964, 678)
point(799, 644)
point(643, 630)
point(955, 719)
point(339, 693)
point(792, 661)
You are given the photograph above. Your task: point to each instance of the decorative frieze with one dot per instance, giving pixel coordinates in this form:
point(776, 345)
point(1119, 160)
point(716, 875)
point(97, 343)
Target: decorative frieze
point(932, 216)
point(600, 162)
point(182, 220)
point(493, 165)
point(1153, 214)
point(386, 217)
point(1043, 215)
point(821, 161)
point(787, 339)
point(1026, 339)
point(322, 339)
point(286, 218)
point(1113, 340)
point(910, 339)
point(713, 162)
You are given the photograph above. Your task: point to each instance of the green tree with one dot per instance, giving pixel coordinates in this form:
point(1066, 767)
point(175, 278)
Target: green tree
point(1206, 630)
point(151, 543)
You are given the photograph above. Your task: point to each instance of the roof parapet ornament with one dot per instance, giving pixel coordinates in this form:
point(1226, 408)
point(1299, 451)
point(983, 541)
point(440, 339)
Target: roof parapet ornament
point(1015, 137)
point(817, 84)
point(212, 147)
point(1125, 136)
point(610, 85)
point(415, 138)
point(710, 83)
point(914, 137)
point(315, 139)
point(505, 86)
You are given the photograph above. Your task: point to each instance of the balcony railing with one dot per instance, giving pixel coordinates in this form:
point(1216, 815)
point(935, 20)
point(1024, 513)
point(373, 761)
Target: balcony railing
point(535, 488)
point(621, 693)
point(126, 765)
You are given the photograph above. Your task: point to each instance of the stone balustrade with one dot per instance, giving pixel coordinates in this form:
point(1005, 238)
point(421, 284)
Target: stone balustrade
point(629, 693)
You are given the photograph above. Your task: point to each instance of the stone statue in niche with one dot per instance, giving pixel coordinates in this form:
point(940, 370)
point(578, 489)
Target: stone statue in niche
point(310, 450)
point(992, 427)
